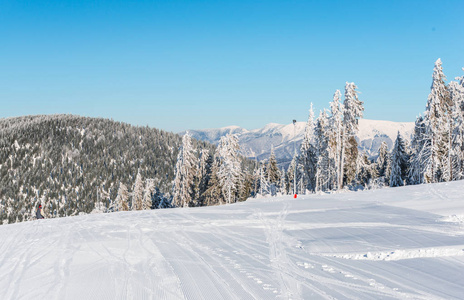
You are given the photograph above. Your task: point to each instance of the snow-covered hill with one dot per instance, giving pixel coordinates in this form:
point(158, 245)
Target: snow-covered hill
point(394, 243)
point(257, 143)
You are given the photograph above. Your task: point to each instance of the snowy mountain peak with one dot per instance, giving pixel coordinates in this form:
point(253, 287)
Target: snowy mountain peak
point(257, 143)
point(233, 128)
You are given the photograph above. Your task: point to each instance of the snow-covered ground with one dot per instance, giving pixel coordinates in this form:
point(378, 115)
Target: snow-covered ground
point(384, 244)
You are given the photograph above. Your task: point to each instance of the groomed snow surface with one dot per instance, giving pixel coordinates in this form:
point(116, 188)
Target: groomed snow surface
point(394, 243)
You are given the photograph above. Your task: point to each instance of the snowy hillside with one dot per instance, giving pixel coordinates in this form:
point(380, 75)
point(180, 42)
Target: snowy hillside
point(384, 244)
point(372, 133)
point(257, 143)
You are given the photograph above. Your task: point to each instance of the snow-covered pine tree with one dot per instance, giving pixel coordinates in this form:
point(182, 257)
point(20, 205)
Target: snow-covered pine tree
point(382, 162)
point(301, 181)
point(457, 115)
point(182, 190)
point(321, 145)
point(213, 194)
point(352, 111)
point(349, 163)
point(263, 181)
point(335, 137)
point(399, 162)
point(364, 170)
point(292, 184)
point(308, 157)
point(245, 185)
point(272, 171)
point(204, 174)
point(137, 193)
point(121, 201)
point(283, 182)
point(147, 194)
point(416, 169)
point(436, 127)
point(229, 168)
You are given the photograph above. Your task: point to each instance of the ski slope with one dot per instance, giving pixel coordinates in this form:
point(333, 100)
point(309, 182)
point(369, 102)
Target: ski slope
point(399, 243)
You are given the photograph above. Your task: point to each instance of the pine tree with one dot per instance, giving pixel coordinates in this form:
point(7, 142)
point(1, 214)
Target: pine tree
point(229, 169)
point(399, 163)
point(335, 137)
point(291, 172)
point(283, 182)
point(272, 171)
point(137, 193)
point(204, 174)
point(416, 169)
point(436, 133)
point(308, 157)
point(350, 163)
point(457, 142)
point(183, 186)
point(382, 163)
point(352, 111)
point(213, 194)
point(365, 172)
point(263, 181)
point(147, 194)
point(246, 185)
point(121, 201)
point(323, 175)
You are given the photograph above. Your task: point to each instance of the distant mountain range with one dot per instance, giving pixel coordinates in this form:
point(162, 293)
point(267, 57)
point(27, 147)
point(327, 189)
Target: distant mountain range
point(256, 144)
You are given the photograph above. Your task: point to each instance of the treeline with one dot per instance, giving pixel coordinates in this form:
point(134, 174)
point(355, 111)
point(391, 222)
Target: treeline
point(329, 159)
point(73, 165)
point(211, 178)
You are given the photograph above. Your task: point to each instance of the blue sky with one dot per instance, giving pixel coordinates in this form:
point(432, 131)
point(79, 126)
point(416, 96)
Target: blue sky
point(179, 65)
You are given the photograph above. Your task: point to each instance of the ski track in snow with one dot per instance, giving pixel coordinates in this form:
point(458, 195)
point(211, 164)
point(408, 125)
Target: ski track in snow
point(342, 246)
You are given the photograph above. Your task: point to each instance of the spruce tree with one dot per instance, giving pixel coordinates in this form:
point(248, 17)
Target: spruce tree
point(350, 162)
point(382, 163)
point(435, 120)
point(147, 194)
point(272, 170)
point(213, 194)
point(308, 157)
point(352, 111)
point(229, 168)
point(335, 137)
point(399, 163)
point(365, 171)
point(283, 183)
point(137, 193)
point(263, 181)
point(416, 169)
point(121, 201)
point(204, 175)
point(183, 187)
point(457, 143)
point(291, 172)
point(321, 146)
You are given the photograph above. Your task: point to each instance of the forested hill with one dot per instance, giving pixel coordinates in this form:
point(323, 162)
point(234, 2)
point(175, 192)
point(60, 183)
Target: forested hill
point(69, 162)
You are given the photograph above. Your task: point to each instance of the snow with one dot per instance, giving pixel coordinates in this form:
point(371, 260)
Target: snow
point(256, 143)
point(368, 129)
point(392, 243)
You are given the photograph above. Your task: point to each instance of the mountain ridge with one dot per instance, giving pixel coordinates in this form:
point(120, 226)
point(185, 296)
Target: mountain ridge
point(285, 138)
point(68, 163)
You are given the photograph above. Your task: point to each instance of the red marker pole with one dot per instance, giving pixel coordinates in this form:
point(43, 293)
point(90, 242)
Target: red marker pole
point(294, 196)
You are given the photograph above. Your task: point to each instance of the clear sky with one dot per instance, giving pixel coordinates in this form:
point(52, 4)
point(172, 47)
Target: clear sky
point(179, 65)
